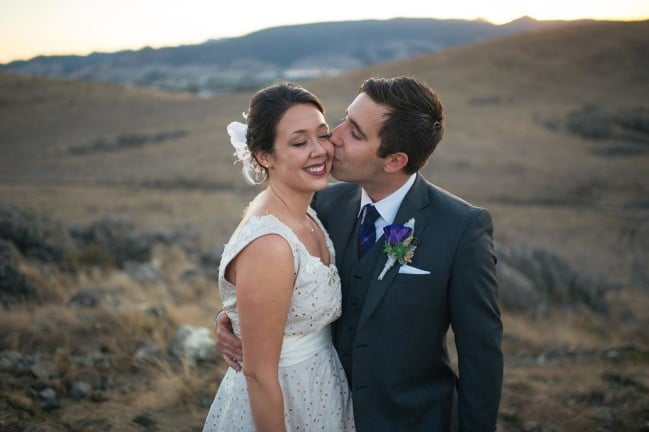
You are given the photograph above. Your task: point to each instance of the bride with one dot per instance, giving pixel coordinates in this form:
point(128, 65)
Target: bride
point(277, 278)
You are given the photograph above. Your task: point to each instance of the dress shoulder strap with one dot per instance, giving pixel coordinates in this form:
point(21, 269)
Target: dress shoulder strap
point(255, 227)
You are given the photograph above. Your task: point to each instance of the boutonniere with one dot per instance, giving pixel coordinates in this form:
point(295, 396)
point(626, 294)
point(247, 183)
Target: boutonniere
point(400, 244)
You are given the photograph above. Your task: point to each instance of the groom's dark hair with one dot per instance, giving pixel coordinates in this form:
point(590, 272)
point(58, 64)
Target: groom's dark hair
point(414, 123)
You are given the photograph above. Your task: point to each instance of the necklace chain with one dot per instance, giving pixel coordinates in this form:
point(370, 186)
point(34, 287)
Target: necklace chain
point(308, 225)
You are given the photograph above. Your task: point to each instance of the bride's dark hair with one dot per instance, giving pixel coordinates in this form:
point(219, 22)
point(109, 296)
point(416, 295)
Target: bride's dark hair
point(266, 109)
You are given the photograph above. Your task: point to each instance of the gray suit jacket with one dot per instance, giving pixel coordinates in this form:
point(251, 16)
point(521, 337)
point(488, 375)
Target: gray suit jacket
point(391, 337)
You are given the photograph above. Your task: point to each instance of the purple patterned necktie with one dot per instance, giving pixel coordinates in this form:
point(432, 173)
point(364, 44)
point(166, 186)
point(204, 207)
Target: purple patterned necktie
point(367, 231)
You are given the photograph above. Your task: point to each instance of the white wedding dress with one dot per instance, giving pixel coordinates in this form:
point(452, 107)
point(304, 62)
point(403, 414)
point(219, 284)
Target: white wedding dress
point(314, 386)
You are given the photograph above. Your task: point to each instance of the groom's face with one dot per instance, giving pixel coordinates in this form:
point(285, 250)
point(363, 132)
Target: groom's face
point(356, 142)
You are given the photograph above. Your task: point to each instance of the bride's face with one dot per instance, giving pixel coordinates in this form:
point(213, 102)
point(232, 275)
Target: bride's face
point(302, 152)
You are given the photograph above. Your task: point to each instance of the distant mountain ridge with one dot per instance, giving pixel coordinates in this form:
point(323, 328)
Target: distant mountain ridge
point(290, 52)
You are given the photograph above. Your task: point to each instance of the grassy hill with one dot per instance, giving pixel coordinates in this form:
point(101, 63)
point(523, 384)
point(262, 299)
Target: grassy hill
point(549, 130)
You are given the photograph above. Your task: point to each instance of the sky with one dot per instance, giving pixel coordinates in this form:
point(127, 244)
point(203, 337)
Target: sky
point(29, 28)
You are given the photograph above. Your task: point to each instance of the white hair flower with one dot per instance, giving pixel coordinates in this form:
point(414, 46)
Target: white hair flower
point(253, 173)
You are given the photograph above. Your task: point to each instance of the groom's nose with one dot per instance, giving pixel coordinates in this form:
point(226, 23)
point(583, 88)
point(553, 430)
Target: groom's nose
point(336, 136)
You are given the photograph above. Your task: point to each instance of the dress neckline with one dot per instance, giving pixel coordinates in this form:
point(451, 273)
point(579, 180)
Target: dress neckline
point(313, 215)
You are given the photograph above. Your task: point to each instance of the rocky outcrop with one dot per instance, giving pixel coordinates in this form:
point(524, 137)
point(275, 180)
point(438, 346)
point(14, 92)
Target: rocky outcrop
point(534, 280)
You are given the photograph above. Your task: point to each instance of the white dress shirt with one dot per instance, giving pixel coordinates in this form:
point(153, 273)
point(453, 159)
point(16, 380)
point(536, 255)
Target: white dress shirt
point(388, 206)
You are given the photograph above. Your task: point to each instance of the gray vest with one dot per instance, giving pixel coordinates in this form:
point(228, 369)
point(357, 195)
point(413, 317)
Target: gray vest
point(355, 276)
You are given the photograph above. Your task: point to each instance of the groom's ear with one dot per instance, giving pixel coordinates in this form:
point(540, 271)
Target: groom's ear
point(395, 162)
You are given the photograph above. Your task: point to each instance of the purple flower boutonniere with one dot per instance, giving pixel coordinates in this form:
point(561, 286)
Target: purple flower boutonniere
point(400, 244)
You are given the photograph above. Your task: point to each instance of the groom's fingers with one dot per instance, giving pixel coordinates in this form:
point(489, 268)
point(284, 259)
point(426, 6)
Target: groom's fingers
point(227, 342)
point(232, 363)
point(230, 347)
point(231, 350)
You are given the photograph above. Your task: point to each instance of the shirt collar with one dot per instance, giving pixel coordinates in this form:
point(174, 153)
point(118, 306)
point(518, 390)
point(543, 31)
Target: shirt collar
point(389, 206)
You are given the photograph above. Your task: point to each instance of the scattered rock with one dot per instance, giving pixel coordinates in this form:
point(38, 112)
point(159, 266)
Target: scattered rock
point(97, 360)
point(148, 353)
point(87, 298)
point(79, 390)
point(90, 375)
point(15, 363)
point(143, 272)
point(146, 421)
point(194, 345)
point(48, 399)
point(98, 396)
point(45, 370)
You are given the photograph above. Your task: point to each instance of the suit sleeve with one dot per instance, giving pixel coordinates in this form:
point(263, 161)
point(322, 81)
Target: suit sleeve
point(476, 322)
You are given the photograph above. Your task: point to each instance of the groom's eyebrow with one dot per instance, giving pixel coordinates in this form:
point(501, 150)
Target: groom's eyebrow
point(358, 128)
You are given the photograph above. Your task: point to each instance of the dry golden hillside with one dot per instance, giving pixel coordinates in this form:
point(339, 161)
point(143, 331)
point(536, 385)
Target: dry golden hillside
point(548, 130)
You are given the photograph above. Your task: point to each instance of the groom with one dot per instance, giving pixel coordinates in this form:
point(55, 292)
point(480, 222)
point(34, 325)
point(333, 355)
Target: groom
point(391, 337)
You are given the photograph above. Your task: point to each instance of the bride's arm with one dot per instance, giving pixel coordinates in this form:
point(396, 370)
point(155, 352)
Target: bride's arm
point(263, 275)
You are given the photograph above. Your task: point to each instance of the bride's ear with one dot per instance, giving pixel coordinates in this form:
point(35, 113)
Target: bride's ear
point(263, 159)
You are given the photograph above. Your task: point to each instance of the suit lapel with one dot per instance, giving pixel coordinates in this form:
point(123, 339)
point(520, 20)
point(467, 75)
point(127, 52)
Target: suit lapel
point(414, 205)
point(341, 225)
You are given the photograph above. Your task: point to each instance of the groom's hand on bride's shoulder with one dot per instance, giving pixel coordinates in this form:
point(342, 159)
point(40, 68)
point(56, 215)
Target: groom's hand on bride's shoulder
point(227, 342)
